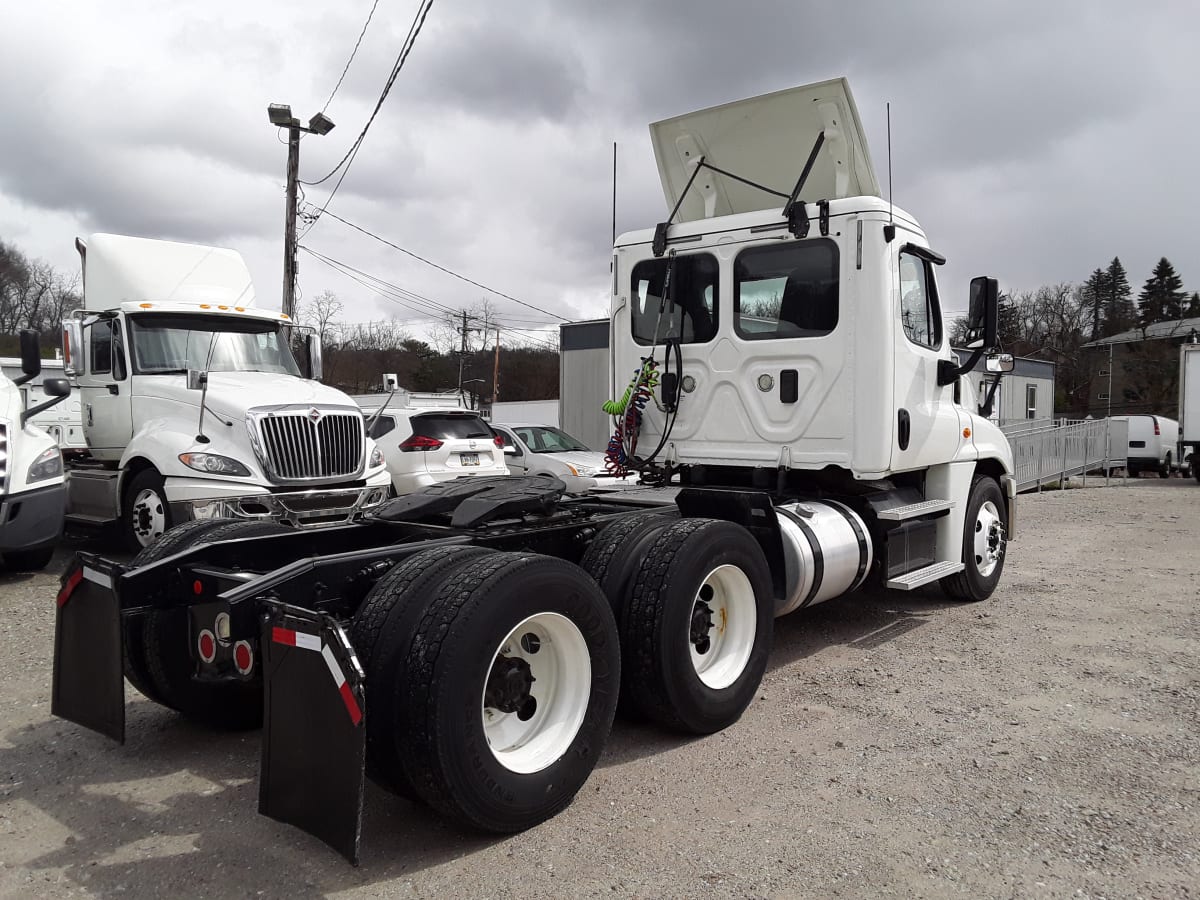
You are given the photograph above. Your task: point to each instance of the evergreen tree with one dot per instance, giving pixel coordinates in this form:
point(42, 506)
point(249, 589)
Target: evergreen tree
point(1093, 293)
point(1193, 306)
point(1008, 324)
point(1119, 311)
point(1162, 296)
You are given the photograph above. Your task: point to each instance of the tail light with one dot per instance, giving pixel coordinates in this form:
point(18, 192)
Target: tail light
point(1156, 431)
point(498, 441)
point(420, 442)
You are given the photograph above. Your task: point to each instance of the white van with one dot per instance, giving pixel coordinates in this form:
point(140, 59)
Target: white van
point(1152, 444)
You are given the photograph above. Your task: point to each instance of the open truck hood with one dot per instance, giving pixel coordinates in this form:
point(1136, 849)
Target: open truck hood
point(767, 140)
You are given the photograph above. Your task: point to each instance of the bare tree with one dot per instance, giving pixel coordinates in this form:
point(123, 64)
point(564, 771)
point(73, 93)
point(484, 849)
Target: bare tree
point(321, 312)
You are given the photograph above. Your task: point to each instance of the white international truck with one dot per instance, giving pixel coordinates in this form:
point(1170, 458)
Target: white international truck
point(193, 404)
point(32, 493)
point(805, 428)
point(1189, 407)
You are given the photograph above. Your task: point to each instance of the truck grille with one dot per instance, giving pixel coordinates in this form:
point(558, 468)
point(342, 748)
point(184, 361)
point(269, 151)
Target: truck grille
point(308, 444)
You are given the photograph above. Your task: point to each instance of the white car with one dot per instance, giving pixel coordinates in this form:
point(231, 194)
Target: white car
point(424, 446)
point(544, 450)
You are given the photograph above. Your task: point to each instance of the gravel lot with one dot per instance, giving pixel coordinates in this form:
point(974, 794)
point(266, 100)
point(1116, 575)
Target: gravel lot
point(1044, 743)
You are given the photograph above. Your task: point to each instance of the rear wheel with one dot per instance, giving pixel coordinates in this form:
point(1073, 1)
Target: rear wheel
point(167, 640)
point(1195, 461)
point(382, 633)
point(983, 549)
point(137, 669)
point(698, 626)
point(509, 690)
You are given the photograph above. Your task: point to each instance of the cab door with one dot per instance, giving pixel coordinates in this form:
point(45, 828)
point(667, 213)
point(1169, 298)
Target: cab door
point(926, 429)
point(105, 388)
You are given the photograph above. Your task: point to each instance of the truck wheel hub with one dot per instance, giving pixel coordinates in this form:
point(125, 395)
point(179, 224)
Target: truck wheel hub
point(508, 687)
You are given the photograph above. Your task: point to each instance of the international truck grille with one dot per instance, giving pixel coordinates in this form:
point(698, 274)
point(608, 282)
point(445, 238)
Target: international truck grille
point(308, 445)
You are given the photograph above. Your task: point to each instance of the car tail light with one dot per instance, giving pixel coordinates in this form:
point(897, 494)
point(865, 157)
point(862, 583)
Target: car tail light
point(498, 441)
point(1156, 431)
point(420, 442)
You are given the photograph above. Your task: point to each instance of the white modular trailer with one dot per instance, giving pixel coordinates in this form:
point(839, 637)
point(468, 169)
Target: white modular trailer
point(194, 405)
point(1189, 406)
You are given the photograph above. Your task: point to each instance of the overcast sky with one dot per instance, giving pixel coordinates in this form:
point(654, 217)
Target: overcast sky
point(1034, 141)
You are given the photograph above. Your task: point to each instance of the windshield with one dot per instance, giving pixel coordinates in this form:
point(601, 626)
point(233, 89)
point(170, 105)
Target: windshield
point(169, 344)
point(543, 439)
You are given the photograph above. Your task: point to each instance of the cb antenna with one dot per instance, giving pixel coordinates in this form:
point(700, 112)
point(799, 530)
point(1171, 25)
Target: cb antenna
point(889, 230)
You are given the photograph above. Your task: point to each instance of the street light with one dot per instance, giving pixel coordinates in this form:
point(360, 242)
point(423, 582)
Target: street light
point(280, 115)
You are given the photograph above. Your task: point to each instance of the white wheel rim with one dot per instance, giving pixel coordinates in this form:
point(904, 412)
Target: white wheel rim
point(554, 649)
point(149, 517)
point(989, 539)
point(720, 651)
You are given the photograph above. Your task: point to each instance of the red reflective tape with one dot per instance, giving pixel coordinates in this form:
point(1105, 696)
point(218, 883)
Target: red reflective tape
point(283, 636)
point(351, 703)
point(67, 589)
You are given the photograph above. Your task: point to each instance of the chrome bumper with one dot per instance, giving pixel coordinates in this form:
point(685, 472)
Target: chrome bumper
point(300, 509)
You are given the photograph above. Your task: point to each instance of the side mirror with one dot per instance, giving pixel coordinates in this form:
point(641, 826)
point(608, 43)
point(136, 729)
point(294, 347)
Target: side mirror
point(1000, 363)
point(196, 379)
point(313, 344)
point(510, 451)
point(56, 387)
point(31, 356)
point(72, 341)
point(983, 311)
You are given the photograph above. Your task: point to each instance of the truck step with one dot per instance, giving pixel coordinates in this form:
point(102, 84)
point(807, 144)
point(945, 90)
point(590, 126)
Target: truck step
point(919, 577)
point(913, 510)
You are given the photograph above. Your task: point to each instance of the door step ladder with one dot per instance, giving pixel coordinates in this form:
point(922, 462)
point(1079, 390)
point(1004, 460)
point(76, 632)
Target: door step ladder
point(920, 577)
point(913, 510)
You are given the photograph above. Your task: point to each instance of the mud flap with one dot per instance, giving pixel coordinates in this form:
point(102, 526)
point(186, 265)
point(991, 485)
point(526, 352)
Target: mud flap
point(89, 677)
point(314, 736)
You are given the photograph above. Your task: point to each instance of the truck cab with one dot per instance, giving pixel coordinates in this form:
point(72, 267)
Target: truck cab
point(32, 490)
point(795, 323)
point(194, 405)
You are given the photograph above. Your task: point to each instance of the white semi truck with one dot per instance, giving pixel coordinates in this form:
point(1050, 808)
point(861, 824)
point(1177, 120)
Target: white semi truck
point(781, 371)
point(1189, 407)
point(32, 494)
point(193, 404)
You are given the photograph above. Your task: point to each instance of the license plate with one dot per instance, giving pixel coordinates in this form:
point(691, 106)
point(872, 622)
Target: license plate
point(469, 459)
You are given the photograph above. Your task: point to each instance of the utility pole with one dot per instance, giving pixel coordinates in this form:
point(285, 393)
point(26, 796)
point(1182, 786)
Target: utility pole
point(280, 115)
point(496, 372)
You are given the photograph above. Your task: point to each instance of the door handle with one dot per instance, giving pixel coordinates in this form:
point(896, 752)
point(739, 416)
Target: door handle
point(114, 389)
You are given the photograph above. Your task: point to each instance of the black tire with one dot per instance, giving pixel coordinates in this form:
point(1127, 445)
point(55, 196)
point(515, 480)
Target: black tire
point(615, 555)
point(137, 669)
point(660, 676)
point(972, 585)
point(441, 723)
point(139, 522)
point(33, 560)
point(1164, 469)
point(381, 634)
point(225, 705)
point(1195, 461)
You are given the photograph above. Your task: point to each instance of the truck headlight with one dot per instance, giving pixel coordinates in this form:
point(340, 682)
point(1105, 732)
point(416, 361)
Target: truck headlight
point(48, 465)
point(376, 458)
point(212, 464)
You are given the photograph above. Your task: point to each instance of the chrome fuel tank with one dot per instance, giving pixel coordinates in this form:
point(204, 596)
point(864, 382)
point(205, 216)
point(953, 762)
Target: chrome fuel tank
point(826, 552)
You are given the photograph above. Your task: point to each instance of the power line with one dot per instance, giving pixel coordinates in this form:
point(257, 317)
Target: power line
point(406, 298)
point(413, 31)
point(556, 318)
point(351, 59)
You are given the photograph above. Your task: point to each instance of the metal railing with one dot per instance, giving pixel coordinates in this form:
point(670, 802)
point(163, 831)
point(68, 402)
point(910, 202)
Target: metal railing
point(1053, 452)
